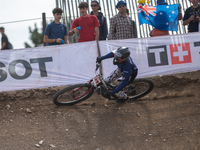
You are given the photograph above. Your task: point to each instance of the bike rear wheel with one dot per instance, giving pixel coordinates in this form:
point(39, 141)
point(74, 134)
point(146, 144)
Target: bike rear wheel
point(73, 94)
point(139, 88)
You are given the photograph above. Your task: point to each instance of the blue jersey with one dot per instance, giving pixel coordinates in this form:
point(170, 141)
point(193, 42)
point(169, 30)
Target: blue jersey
point(128, 68)
point(54, 31)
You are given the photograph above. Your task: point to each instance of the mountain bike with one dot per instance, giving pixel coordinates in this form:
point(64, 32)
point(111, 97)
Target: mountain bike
point(77, 93)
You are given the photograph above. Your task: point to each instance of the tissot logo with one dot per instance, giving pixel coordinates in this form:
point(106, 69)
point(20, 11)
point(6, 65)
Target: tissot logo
point(157, 56)
point(27, 66)
point(180, 53)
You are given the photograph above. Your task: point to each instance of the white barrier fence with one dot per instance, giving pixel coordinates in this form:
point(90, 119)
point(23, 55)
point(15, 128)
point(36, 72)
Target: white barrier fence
point(75, 63)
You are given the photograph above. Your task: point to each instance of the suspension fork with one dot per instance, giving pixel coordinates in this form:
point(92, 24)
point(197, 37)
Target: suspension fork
point(101, 77)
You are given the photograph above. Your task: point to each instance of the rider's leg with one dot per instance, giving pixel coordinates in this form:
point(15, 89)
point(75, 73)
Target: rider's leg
point(133, 76)
point(121, 95)
point(113, 76)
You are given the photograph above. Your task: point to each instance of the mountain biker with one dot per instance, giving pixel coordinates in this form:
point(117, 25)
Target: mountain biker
point(126, 69)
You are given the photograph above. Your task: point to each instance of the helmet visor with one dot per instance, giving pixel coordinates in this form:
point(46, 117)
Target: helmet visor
point(117, 59)
point(117, 54)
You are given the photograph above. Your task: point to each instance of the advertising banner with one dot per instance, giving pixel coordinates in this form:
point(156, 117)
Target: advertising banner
point(158, 55)
point(47, 66)
point(75, 63)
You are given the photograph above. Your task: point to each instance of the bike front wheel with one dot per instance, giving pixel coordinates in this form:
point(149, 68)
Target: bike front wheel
point(73, 94)
point(139, 88)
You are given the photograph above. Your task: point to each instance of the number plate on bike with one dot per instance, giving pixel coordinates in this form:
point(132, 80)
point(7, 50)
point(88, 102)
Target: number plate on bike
point(97, 81)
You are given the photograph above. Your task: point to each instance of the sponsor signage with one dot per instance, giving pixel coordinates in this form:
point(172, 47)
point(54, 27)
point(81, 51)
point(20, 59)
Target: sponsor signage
point(75, 63)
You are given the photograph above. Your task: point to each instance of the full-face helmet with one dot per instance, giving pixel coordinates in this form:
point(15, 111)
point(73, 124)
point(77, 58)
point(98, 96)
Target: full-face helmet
point(121, 55)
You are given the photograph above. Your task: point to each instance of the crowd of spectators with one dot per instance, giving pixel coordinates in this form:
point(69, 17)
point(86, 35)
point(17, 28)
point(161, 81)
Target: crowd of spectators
point(94, 26)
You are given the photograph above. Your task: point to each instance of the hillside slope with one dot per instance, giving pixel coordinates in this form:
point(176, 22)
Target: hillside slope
point(167, 119)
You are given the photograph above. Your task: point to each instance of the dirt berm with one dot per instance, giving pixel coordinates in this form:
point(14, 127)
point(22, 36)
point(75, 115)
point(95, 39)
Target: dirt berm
point(167, 119)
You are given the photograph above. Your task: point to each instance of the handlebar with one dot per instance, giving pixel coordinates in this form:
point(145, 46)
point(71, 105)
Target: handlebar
point(97, 66)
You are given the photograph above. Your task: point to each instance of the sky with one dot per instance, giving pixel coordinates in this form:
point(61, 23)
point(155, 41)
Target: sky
point(16, 10)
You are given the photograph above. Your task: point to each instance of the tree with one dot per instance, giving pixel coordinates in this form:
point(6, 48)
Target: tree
point(35, 37)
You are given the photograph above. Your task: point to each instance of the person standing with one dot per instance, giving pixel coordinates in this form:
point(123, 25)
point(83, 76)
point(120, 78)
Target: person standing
point(5, 44)
point(121, 25)
point(189, 17)
point(157, 32)
point(103, 29)
point(134, 25)
point(89, 25)
point(56, 32)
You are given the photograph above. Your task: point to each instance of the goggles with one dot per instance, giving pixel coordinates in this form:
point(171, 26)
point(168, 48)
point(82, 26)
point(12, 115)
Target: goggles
point(118, 58)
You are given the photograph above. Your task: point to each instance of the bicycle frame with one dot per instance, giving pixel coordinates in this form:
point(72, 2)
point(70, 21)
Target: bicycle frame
point(101, 75)
point(77, 97)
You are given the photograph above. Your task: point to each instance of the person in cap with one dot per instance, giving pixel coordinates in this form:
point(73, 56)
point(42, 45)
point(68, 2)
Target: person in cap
point(89, 25)
point(126, 69)
point(161, 2)
point(121, 25)
point(157, 32)
point(5, 44)
point(103, 29)
point(190, 18)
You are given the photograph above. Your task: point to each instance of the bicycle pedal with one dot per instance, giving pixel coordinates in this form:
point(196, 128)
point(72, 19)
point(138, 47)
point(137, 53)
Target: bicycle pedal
point(133, 92)
point(98, 90)
point(121, 100)
point(111, 99)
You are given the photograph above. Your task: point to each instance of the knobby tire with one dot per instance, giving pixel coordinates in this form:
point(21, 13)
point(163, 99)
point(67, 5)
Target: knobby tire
point(69, 95)
point(143, 86)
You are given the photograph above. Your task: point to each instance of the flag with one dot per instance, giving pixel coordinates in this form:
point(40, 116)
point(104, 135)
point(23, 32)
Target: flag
point(162, 17)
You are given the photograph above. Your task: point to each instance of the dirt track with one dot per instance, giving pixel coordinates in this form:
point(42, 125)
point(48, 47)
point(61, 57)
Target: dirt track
point(167, 119)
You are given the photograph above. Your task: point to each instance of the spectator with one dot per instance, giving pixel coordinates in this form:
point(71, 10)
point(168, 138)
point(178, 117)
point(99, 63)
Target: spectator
point(134, 25)
point(56, 32)
point(157, 32)
point(103, 29)
point(89, 25)
point(127, 11)
point(121, 25)
point(189, 17)
point(5, 44)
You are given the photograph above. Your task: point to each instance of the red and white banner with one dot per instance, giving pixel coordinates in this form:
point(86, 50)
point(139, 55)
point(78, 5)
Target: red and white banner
point(75, 63)
point(158, 55)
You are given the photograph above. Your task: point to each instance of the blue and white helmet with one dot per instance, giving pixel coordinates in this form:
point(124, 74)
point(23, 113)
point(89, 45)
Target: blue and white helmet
point(121, 55)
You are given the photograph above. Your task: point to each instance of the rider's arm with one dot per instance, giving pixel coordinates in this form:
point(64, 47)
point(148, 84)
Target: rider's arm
point(109, 55)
